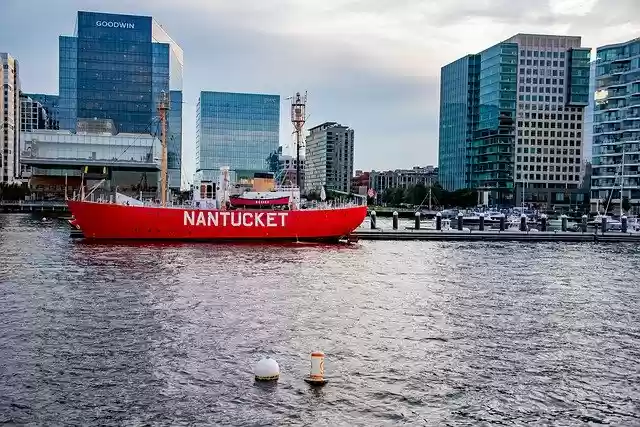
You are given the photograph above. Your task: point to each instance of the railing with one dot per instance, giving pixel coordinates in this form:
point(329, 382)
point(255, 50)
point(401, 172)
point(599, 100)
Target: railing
point(34, 203)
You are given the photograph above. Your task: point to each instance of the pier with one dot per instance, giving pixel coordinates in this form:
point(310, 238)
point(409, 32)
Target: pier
point(496, 236)
point(27, 206)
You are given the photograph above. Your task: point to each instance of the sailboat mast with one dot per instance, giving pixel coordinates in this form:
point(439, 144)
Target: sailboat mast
point(298, 118)
point(162, 109)
point(621, 178)
point(298, 157)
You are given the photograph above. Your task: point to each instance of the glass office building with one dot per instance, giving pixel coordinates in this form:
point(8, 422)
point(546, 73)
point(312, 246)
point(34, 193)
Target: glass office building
point(458, 111)
point(513, 114)
point(238, 130)
point(477, 111)
point(491, 151)
point(616, 127)
point(48, 103)
point(116, 67)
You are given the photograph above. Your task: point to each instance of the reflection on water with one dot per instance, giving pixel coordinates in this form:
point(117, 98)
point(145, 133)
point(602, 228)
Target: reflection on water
point(414, 332)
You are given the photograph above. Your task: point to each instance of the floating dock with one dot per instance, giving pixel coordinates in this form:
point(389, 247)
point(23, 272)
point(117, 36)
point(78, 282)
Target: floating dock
point(496, 236)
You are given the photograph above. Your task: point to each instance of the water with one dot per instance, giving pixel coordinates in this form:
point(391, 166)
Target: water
point(416, 333)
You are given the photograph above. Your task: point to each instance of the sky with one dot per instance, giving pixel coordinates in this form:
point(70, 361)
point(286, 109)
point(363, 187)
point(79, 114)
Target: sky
point(373, 65)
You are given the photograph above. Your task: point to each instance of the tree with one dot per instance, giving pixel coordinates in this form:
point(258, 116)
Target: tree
point(273, 161)
point(626, 204)
point(416, 194)
point(14, 191)
point(387, 195)
point(398, 196)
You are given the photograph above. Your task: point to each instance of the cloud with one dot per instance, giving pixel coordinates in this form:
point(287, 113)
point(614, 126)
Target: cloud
point(371, 64)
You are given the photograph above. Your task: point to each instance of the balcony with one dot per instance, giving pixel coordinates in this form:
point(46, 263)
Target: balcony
point(619, 69)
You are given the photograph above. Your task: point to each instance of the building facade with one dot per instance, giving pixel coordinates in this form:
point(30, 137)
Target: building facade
point(237, 130)
point(35, 114)
point(329, 157)
point(588, 116)
point(288, 169)
point(553, 91)
point(116, 67)
point(458, 116)
point(39, 111)
point(403, 178)
point(130, 162)
point(616, 127)
point(9, 120)
point(524, 100)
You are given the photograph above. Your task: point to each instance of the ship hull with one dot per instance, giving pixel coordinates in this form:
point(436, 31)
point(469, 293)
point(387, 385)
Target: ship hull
point(120, 222)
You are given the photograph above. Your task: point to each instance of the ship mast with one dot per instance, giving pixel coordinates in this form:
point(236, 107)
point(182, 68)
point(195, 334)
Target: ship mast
point(163, 107)
point(298, 117)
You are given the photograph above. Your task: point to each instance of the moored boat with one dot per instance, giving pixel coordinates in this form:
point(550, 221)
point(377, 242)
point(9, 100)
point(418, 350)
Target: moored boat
point(115, 221)
point(252, 215)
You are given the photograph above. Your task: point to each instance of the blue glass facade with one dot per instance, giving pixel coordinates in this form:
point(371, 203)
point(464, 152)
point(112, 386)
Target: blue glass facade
point(51, 104)
point(616, 124)
point(492, 149)
point(477, 130)
point(458, 113)
point(238, 130)
point(113, 69)
point(578, 81)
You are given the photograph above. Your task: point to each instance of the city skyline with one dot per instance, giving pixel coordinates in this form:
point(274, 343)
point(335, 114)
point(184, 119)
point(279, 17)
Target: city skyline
point(374, 66)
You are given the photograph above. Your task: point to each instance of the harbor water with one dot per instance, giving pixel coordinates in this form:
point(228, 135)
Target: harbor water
point(414, 333)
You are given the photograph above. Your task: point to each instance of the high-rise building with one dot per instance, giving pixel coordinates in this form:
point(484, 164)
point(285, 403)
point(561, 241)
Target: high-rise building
point(514, 113)
point(9, 119)
point(587, 139)
point(458, 116)
point(553, 91)
point(237, 130)
point(616, 127)
point(115, 67)
point(329, 157)
point(38, 111)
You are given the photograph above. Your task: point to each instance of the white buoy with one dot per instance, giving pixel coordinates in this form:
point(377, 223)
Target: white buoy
point(266, 369)
point(316, 377)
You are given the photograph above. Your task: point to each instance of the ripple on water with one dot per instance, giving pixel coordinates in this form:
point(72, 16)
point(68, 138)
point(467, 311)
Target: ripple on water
point(415, 332)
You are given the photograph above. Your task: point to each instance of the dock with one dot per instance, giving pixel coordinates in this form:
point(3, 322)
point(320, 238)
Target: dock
point(25, 206)
point(496, 236)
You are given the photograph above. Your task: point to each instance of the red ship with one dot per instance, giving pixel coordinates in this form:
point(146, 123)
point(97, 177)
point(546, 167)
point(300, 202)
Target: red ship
point(265, 215)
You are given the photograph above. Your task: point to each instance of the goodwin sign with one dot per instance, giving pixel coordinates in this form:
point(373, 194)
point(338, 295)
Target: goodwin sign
point(114, 24)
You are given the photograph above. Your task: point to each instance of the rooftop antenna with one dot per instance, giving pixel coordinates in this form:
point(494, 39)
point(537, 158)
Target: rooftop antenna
point(298, 118)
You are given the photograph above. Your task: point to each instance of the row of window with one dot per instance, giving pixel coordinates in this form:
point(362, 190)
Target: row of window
point(551, 177)
point(563, 143)
point(541, 89)
point(552, 151)
point(565, 134)
point(542, 63)
point(541, 54)
point(552, 116)
point(546, 160)
point(545, 168)
point(540, 98)
point(547, 107)
point(552, 125)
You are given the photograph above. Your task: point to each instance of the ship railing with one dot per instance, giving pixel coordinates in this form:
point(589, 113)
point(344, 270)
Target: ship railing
point(331, 204)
